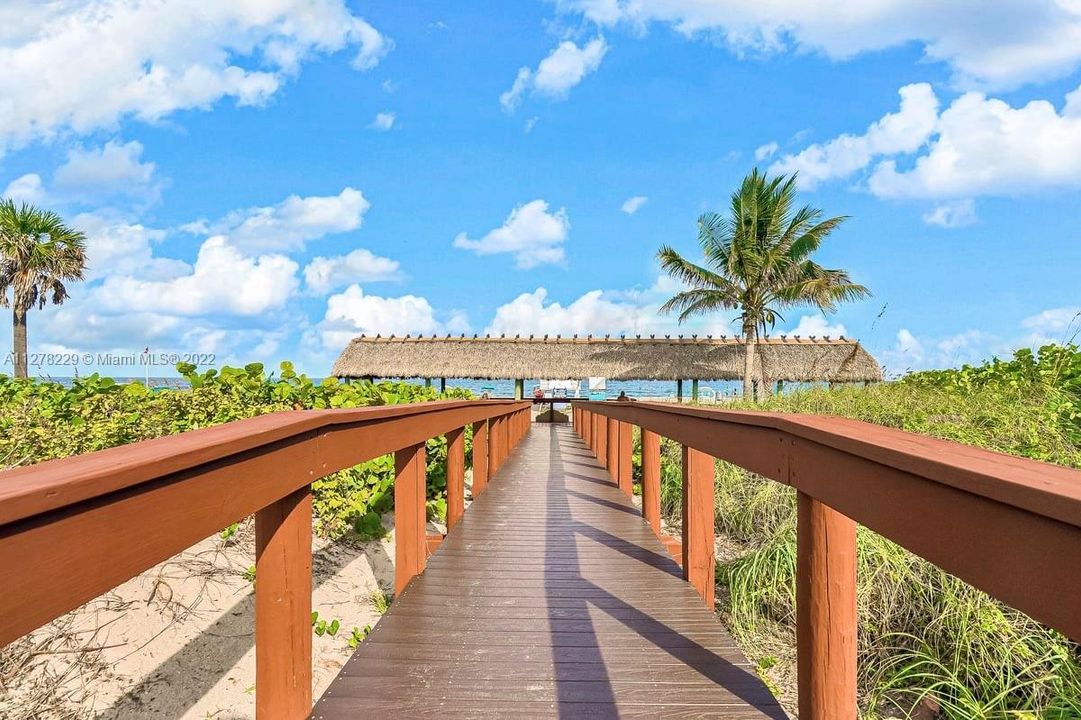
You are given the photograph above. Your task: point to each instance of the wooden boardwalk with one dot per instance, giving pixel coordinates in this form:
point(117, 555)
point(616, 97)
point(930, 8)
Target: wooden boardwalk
point(552, 598)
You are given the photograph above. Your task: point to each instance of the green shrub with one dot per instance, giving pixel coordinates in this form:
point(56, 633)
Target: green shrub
point(42, 420)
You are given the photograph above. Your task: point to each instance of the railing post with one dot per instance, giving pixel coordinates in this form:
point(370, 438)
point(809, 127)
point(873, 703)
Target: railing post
point(626, 478)
point(698, 556)
point(613, 449)
point(825, 611)
point(651, 479)
point(493, 447)
point(602, 440)
point(283, 608)
point(455, 476)
point(587, 428)
point(410, 490)
point(480, 457)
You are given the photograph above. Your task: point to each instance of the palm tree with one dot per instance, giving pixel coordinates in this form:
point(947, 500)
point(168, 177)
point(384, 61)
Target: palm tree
point(757, 260)
point(38, 252)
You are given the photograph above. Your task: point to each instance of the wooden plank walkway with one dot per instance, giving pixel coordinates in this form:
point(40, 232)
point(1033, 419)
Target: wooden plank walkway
point(552, 598)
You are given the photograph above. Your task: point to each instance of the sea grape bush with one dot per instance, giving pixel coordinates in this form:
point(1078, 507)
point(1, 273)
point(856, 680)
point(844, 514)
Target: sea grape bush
point(41, 420)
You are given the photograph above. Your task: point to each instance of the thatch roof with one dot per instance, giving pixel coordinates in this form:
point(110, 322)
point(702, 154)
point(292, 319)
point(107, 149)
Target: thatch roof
point(792, 359)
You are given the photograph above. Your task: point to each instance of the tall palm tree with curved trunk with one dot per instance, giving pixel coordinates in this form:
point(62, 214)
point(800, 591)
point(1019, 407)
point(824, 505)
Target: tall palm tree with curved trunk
point(758, 261)
point(38, 254)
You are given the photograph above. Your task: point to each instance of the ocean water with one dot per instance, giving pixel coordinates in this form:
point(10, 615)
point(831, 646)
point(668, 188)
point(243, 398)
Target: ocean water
point(505, 388)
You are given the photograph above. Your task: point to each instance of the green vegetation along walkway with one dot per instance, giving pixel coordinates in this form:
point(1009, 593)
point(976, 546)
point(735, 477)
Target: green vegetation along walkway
point(552, 598)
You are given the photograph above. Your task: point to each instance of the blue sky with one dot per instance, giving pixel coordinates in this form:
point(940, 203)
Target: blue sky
point(264, 180)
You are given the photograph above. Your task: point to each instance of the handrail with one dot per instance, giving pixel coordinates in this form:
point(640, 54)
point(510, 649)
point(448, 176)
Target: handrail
point(1007, 525)
point(75, 527)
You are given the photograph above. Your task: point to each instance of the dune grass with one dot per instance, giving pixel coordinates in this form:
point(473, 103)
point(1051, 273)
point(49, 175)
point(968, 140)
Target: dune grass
point(929, 644)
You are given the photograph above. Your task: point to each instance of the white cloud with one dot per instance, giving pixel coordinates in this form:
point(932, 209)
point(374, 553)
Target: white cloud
point(26, 189)
point(817, 326)
point(902, 132)
point(83, 65)
point(532, 234)
point(114, 168)
point(911, 352)
point(634, 204)
point(976, 146)
point(222, 281)
point(564, 68)
point(383, 121)
point(530, 124)
point(1002, 43)
point(983, 146)
point(324, 274)
point(352, 312)
point(1057, 325)
point(765, 152)
point(289, 224)
point(532, 313)
point(116, 245)
point(953, 214)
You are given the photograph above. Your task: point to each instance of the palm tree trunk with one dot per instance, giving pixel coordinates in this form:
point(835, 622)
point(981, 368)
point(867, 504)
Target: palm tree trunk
point(18, 324)
point(748, 364)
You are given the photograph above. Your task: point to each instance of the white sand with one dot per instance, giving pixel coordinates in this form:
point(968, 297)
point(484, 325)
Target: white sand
point(177, 641)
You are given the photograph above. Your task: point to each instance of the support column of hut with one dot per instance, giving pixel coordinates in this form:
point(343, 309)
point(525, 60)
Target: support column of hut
point(519, 389)
point(694, 390)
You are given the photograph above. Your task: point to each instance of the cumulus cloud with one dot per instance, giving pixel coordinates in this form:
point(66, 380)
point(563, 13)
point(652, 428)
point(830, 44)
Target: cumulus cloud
point(902, 132)
point(531, 233)
point(161, 56)
point(27, 188)
point(564, 68)
point(977, 146)
point(1013, 41)
point(290, 224)
point(117, 245)
point(911, 352)
point(634, 204)
point(113, 169)
point(954, 214)
point(533, 313)
point(817, 326)
point(324, 274)
point(984, 146)
point(223, 280)
point(383, 121)
point(1056, 325)
point(765, 152)
point(354, 312)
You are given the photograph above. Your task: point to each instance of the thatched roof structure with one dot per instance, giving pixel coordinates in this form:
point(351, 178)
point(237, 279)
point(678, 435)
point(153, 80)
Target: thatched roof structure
point(792, 359)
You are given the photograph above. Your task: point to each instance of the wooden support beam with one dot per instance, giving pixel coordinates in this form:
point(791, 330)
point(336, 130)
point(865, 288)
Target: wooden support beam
point(480, 457)
point(694, 390)
point(626, 479)
point(410, 520)
point(679, 391)
point(651, 479)
point(442, 384)
point(612, 448)
point(825, 611)
point(601, 441)
point(283, 608)
point(455, 476)
point(698, 556)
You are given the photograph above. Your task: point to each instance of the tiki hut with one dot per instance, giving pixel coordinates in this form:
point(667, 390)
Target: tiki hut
point(783, 358)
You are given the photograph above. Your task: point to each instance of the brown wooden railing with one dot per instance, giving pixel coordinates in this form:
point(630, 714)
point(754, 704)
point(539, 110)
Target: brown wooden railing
point(1007, 525)
point(74, 528)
